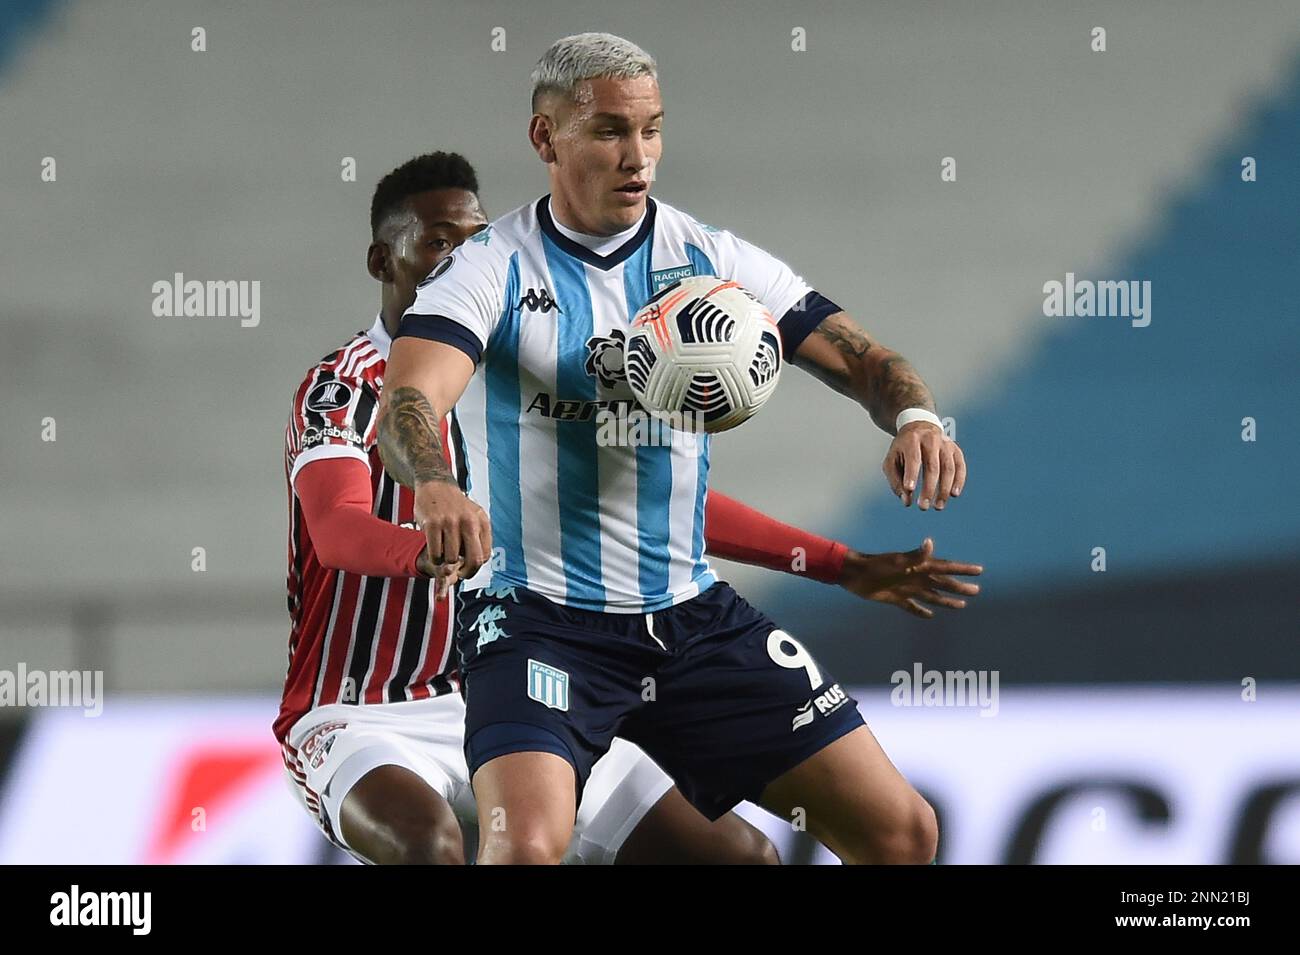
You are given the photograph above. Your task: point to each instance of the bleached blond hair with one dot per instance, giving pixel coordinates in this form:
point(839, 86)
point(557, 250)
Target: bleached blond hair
point(588, 56)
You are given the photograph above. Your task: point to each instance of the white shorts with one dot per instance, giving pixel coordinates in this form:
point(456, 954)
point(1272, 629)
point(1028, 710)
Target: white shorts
point(332, 747)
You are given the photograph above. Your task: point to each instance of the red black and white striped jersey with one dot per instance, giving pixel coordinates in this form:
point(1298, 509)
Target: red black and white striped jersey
point(356, 639)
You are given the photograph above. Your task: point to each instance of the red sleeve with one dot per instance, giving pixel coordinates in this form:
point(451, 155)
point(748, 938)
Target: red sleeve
point(736, 531)
point(336, 500)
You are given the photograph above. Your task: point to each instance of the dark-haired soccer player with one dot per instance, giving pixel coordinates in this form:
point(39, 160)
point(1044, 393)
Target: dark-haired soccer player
point(371, 724)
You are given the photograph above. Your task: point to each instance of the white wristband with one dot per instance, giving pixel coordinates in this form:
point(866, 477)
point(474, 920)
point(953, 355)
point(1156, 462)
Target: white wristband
point(908, 415)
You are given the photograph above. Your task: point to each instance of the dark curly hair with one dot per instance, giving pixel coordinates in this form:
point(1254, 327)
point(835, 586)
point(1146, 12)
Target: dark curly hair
point(421, 174)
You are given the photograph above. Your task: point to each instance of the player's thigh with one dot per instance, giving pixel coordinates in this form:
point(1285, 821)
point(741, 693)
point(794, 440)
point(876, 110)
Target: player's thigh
point(392, 816)
point(416, 746)
point(631, 814)
point(526, 804)
point(544, 686)
point(528, 751)
point(674, 832)
point(853, 800)
point(625, 785)
point(742, 703)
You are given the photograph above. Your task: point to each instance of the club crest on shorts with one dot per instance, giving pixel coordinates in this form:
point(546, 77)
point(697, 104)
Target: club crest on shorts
point(319, 742)
point(548, 686)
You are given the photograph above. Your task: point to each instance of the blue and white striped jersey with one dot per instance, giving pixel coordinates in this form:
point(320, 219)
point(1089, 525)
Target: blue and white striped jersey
point(613, 526)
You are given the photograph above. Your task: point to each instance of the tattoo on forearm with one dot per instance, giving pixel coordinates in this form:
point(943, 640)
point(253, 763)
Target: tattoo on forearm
point(882, 380)
point(410, 441)
point(897, 386)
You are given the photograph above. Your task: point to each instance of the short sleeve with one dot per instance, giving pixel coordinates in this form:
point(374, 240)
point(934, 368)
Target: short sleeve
point(462, 300)
point(334, 416)
point(774, 283)
point(797, 308)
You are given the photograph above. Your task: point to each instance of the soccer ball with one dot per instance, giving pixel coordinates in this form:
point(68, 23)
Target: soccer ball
point(703, 355)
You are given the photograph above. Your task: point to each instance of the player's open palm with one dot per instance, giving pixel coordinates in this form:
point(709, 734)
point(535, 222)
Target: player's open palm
point(457, 531)
point(909, 580)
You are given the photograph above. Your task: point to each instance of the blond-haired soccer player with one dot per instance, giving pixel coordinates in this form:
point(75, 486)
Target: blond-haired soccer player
point(604, 582)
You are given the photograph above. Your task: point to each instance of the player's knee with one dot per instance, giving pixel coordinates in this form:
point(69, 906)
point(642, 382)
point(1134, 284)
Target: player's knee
point(906, 834)
point(760, 851)
point(909, 836)
point(740, 845)
point(532, 847)
point(731, 840)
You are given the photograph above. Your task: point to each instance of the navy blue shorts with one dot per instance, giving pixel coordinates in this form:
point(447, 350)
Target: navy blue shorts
point(719, 696)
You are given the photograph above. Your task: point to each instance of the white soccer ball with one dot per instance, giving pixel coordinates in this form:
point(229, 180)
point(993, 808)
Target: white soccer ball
point(703, 355)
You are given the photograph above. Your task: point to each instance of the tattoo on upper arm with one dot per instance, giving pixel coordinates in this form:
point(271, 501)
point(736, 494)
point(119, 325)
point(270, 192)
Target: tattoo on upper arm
point(410, 440)
point(851, 344)
point(848, 338)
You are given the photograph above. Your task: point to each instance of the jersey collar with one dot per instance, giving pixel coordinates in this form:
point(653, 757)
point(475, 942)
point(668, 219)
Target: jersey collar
point(603, 262)
point(379, 337)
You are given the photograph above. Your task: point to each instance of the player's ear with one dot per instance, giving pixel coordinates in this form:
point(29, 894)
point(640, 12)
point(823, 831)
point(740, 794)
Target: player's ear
point(539, 135)
point(379, 261)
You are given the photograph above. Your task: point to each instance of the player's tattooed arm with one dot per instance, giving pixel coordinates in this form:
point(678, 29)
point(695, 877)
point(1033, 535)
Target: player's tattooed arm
point(841, 355)
point(423, 380)
point(409, 439)
point(884, 383)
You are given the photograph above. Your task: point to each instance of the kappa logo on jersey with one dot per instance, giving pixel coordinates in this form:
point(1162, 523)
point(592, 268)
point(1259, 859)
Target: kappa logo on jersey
point(483, 236)
point(548, 686)
point(329, 396)
point(319, 742)
point(605, 358)
point(438, 269)
point(536, 301)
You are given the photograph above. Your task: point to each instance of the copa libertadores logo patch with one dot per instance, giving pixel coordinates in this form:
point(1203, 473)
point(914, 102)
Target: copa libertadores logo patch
point(439, 269)
point(329, 396)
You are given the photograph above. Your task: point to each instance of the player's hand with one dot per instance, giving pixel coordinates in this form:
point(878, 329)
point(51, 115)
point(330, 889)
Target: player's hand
point(909, 580)
point(443, 575)
point(922, 445)
point(457, 532)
